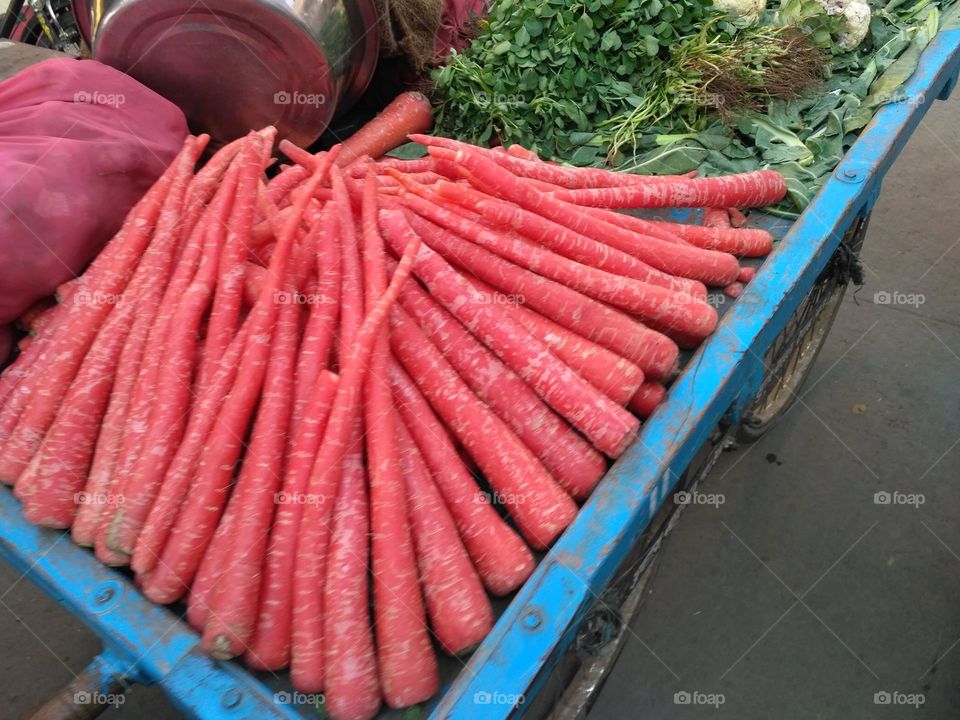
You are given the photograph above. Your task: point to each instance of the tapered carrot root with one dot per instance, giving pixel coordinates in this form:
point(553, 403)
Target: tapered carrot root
point(196, 521)
point(758, 188)
point(653, 352)
point(607, 425)
point(570, 459)
point(270, 647)
point(429, 202)
point(352, 688)
point(144, 456)
point(707, 266)
point(307, 662)
point(409, 113)
point(407, 665)
point(230, 627)
point(647, 398)
point(670, 310)
point(526, 164)
point(538, 505)
point(460, 613)
point(500, 556)
point(614, 376)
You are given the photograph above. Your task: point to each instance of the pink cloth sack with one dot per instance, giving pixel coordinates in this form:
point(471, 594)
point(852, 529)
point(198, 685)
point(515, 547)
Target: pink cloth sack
point(80, 143)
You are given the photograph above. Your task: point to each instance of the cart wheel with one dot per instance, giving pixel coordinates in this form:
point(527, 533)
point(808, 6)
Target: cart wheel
point(792, 355)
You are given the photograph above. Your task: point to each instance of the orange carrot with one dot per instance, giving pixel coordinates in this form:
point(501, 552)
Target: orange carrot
point(409, 113)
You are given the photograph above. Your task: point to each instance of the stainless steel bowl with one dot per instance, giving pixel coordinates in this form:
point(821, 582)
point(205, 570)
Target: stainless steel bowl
point(237, 65)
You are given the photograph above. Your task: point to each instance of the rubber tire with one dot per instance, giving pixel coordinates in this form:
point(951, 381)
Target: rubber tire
point(793, 354)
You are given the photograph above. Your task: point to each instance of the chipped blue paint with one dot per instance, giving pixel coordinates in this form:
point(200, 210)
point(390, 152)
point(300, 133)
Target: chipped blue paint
point(147, 644)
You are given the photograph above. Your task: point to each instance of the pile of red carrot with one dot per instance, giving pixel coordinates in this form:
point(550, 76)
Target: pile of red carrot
point(272, 398)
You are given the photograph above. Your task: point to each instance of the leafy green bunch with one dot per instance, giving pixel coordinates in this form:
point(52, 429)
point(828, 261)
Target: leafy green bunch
point(548, 73)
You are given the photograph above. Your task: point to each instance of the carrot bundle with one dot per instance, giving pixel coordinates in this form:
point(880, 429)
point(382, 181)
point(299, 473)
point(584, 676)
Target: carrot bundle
point(318, 390)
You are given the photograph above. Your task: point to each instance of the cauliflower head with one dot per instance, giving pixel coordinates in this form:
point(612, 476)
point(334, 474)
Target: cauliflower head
point(854, 20)
point(748, 11)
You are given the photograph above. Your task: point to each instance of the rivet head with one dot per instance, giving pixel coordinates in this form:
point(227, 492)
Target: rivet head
point(232, 698)
point(104, 595)
point(532, 619)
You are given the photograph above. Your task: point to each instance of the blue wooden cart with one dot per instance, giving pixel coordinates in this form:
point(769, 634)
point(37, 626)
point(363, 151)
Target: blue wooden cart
point(558, 631)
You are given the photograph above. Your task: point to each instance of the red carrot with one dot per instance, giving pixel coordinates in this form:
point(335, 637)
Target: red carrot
point(68, 447)
point(668, 309)
point(733, 290)
point(202, 506)
point(533, 168)
point(460, 613)
point(407, 664)
point(746, 274)
point(570, 459)
point(270, 647)
point(748, 242)
point(605, 424)
point(307, 667)
point(647, 398)
point(409, 113)
point(540, 508)
point(758, 188)
point(234, 608)
point(145, 456)
point(737, 218)
point(502, 559)
point(614, 376)
point(708, 266)
point(653, 352)
point(521, 152)
point(716, 217)
point(203, 589)
point(561, 240)
point(324, 308)
point(282, 184)
point(121, 447)
point(163, 513)
point(352, 688)
point(228, 297)
point(358, 169)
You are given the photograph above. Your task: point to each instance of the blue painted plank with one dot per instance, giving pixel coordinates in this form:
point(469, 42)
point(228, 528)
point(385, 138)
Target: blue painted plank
point(147, 643)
